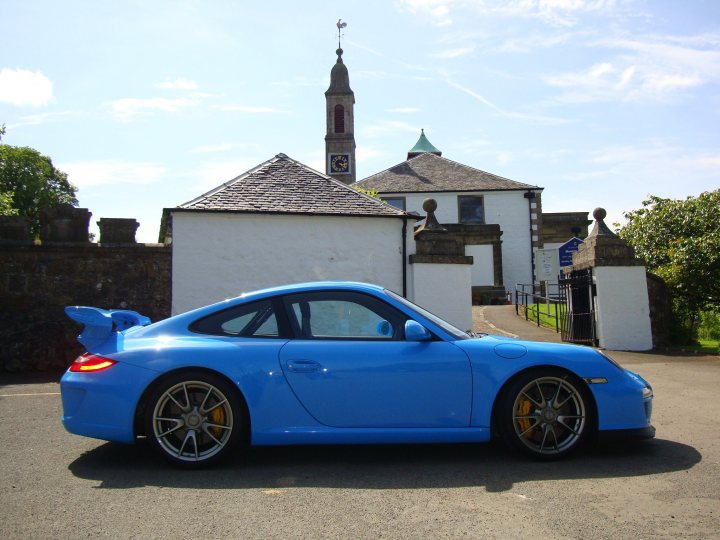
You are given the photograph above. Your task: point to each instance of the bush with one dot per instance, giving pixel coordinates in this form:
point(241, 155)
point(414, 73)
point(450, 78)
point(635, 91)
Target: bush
point(709, 325)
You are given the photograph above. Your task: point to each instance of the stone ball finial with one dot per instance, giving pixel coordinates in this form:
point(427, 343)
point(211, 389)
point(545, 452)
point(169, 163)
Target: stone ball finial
point(429, 205)
point(600, 229)
point(339, 52)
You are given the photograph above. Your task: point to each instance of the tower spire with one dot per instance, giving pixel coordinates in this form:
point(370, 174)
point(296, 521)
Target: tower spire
point(340, 133)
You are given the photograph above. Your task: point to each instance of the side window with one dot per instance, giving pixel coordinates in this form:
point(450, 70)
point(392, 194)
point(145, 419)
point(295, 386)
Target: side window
point(256, 319)
point(471, 209)
point(344, 315)
point(397, 202)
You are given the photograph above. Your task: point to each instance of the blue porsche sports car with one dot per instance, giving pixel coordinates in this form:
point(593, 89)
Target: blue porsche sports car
point(336, 363)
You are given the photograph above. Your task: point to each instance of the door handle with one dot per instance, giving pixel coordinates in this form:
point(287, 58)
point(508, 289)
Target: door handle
point(303, 366)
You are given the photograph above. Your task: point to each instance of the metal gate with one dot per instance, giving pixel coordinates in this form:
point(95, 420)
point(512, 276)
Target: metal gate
point(578, 320)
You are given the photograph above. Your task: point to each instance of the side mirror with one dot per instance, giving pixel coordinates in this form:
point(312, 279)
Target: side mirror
point(414, 331)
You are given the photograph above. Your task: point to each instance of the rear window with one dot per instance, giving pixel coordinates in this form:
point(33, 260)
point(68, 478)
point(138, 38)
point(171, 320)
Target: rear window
point(256, 319)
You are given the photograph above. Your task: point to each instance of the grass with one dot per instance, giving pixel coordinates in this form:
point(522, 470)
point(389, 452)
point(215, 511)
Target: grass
point(704, 346)
point(548, 314)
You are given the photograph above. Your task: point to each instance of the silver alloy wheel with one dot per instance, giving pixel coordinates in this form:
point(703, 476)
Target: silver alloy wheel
point(549, 415)
point(192, 421)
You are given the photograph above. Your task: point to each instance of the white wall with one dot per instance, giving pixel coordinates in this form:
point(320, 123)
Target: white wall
point(444, 289)
point(509, 209)
point(218, 256)
point(622, 308)
point(482, 271)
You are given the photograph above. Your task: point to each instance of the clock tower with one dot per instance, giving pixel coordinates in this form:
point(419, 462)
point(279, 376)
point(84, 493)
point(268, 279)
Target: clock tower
point(340, 131)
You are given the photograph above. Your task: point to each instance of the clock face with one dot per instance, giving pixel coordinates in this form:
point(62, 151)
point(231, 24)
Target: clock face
point(339, 163)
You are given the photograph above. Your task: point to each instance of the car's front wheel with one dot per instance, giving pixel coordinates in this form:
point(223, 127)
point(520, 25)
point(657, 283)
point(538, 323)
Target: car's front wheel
point(545, 414)
point(194, 419)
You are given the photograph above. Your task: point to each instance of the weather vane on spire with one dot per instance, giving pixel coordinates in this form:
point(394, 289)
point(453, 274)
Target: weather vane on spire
point(340, 25)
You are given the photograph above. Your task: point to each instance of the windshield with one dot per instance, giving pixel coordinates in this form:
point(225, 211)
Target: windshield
point(449, 328)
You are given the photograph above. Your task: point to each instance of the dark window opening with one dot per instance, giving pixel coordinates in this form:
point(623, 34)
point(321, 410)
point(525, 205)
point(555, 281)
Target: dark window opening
point(471, 209)
point(397, 202)
point(339, 119)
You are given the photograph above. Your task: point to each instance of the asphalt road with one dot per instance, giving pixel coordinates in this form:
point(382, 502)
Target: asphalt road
point(57, 485)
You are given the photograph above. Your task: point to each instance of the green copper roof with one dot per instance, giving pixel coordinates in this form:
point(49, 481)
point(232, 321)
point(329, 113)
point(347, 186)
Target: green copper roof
point(423, 146)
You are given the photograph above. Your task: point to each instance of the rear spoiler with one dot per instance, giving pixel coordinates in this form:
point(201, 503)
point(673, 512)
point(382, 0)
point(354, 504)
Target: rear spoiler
point(100, 323)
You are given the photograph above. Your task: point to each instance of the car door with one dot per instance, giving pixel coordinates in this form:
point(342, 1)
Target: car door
point(350, 366)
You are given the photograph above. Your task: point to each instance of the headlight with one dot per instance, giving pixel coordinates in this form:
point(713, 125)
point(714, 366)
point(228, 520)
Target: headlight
point(647, 392)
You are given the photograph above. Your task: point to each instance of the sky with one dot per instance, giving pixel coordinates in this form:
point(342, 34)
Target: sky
point(148, 104)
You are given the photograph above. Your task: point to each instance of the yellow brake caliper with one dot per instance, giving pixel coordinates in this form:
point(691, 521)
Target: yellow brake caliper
point(524, 424)
point(218, 417)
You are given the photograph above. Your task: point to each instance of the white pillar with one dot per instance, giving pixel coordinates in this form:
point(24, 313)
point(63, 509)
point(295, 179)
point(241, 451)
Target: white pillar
point(444, 289)
point(622, 308)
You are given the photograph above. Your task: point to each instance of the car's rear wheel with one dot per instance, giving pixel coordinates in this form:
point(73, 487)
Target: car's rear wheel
point(194, 419)
point(545, 414)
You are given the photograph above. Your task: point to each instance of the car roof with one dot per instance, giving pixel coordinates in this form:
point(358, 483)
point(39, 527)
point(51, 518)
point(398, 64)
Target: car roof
point(313, 286)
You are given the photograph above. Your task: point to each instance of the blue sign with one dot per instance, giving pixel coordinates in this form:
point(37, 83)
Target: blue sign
point(567, 249)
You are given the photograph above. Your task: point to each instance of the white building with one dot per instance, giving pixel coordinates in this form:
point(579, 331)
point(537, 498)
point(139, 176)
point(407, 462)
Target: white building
point(279, 223)
point(469, 196)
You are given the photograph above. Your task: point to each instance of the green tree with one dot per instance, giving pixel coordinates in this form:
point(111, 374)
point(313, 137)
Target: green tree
point(680, 241)
point(6, 208)
point(32, 183)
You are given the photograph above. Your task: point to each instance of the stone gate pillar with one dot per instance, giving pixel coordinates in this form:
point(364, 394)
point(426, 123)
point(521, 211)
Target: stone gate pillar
point(622, 312)
point(442, 278)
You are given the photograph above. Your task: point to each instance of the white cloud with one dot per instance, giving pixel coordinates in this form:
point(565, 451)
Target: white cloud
point(178, 84)
point(528, 43)
point(127, 108)
point(112, 171)
point(655, 166)
point(41, 118)
point(565, 13)
point(437, 11)
point(619, 177)
point(556, 12)
point(543, 119)
point(653, 68)
point(22, 87)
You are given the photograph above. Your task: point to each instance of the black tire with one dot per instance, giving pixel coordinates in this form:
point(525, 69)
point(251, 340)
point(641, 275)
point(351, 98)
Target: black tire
point(545, 414)
point(194, 419)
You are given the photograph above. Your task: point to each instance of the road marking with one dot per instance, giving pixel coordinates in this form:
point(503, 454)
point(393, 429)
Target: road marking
point(26, 395)
point(483, 320)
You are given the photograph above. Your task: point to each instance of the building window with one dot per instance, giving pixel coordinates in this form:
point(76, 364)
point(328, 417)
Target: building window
point(339, 119)
point(397, 202)
point(470, 209)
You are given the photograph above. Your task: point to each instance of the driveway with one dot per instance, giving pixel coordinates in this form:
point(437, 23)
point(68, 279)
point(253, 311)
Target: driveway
point(57, 485)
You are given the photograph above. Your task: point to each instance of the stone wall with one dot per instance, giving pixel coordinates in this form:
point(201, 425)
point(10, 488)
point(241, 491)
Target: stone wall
point(559, 227)
point(38, 281)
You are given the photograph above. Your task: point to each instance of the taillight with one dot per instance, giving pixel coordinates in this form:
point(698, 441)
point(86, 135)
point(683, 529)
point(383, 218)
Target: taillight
point(90, 362)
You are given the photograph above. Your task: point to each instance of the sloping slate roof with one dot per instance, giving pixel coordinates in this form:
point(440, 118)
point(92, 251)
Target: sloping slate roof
point(428, 173)
point(285, 186)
